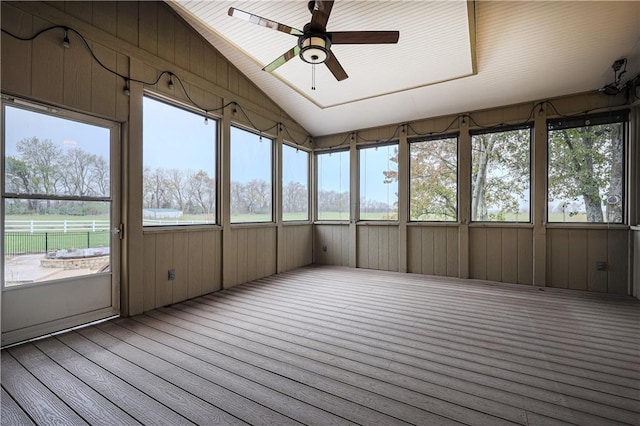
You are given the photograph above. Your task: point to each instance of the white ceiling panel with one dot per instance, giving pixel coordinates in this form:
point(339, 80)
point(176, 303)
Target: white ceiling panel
point(525, 50)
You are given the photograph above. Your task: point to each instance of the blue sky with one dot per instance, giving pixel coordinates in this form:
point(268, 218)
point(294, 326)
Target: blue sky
point(21, 124)
point(176, 138)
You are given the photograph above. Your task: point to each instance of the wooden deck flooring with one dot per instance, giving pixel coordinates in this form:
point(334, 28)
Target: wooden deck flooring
point(330, 345)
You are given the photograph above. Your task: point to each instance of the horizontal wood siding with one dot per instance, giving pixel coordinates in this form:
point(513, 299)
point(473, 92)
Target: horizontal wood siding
point(572, 255)
point(331, 244)
point(501, 254)
point(377, 247)
point(433, 250)
point(297, 241)
point(196, 257)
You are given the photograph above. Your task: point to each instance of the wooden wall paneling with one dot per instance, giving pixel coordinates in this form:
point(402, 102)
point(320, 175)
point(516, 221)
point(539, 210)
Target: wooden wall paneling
point(577, 257)
point(164, 262)
point(334, 244)
point(618, 261)
point(149, 276)
point(452, 251)
point(195, 264)
point(148, 26)
point(242, 273)
point(196, 54)
point(635, 235)
point(384, 246)
point(394, 250)
point(256, 253)
point(232, 79)
point(272, 239)
point(16, 73)
point(47, 63)
point(440, 251)
point(80, 9)
point(318, 241)
point(135, 298)
point(346, 239)
point(598, 246)
point(414, 251)
point(427, 255)
point(211, 58)
point(525, 256)
point(373, 247)
point(229, 258)
point(122, 100)
point(211, 262)
point(105, 85)
point(285, 239)
point(127, 21)
point(478, 253)
point(363, 247)
point(182, 35)
point(509, 259)
point(77, 75)
point(166, 43)
point(222, 74)
point(180, 286)
point(105, 16)
point(150, 74)
point(494, 254)
point(558, 252)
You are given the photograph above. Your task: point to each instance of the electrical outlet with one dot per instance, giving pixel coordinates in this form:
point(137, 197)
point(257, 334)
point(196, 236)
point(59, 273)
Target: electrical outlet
point(171, 275)
point(324, 248)
point(601, 265)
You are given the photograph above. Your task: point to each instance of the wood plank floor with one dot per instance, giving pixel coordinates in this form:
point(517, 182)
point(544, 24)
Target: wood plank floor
point(331, 345)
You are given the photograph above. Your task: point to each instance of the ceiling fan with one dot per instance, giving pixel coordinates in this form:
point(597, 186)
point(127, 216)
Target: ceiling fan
point(314, 41)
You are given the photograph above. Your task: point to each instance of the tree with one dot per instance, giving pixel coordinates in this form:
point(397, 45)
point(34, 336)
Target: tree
point(587, 163)
point(43, 159)
point(433, 185)
point(202, 191)
point(500, 174)
point(295, 197)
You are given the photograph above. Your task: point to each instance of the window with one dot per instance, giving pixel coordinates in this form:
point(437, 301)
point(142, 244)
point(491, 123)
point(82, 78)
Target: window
point(57, 196)
point(179, 157)
point(379, 183)
point(251, 177)
point(433, 174)
point(501, 176)
point(586, 169)
point(295, 184)
point(333, 186)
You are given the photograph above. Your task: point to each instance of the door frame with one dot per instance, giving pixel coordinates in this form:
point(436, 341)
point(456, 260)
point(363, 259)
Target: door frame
point(100, 309)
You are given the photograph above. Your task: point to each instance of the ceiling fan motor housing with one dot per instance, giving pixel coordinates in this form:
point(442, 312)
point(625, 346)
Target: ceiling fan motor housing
point(314, 48)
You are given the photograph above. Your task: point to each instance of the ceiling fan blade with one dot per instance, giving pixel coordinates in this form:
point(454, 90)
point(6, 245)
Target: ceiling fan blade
point(364, 37)
point(289, 54)
point(264, 22)
point(320, 15)
point(336, 69)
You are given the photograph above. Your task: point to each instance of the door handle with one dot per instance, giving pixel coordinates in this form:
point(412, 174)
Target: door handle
point(118, 230)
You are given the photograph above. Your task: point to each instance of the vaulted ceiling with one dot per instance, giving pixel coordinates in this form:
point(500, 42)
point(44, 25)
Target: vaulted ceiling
point(451, 57)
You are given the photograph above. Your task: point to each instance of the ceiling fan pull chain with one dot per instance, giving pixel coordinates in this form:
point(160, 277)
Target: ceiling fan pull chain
point(313, 76)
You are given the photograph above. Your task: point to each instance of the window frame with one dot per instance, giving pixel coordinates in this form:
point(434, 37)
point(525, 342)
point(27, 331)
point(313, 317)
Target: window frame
point(316, 155)
point(214, 120)
point(621, 116)
point(502, 129)
point(418, 139)
point(309, 181)
point(272, 174)
point(359, 149)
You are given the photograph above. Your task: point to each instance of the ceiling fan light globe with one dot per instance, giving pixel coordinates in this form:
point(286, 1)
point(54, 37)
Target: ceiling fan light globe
point(314, 49)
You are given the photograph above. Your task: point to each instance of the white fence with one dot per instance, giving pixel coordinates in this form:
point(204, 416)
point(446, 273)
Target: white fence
point(56, 225)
